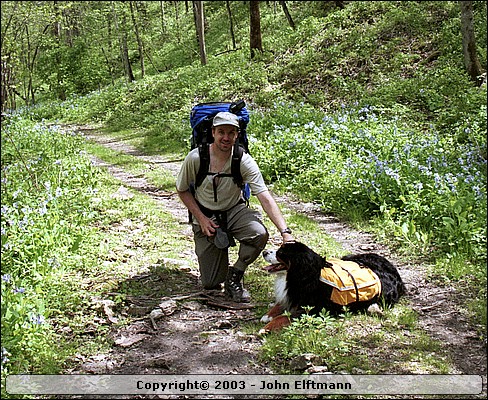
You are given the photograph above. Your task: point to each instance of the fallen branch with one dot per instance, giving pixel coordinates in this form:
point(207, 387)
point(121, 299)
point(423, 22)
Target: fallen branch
point(183, 297)
point(435, 305)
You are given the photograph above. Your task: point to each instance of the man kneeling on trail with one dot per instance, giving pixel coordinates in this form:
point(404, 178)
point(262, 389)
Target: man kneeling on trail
point(220, 214)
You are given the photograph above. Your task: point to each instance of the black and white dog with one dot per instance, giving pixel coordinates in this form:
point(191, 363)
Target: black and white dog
point(299, 283)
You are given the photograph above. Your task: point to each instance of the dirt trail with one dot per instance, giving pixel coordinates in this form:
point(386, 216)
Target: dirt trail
point(197, 338)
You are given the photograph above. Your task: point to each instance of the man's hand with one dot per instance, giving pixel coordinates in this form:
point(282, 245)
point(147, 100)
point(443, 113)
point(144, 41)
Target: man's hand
point(208, 225)
point(287, 237)
point(274, 213)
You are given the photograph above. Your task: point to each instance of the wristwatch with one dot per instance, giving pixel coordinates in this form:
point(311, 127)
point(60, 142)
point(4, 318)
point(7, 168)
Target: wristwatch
point(286, 230)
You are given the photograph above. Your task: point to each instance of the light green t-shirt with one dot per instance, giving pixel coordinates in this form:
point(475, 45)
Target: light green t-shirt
point(228, 193)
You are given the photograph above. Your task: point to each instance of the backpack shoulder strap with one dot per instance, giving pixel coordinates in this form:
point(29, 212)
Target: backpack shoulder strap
point(235, 166)
point(204, 153)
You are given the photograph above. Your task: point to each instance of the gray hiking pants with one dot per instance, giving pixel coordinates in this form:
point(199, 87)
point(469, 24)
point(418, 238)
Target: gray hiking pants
point(247, 228)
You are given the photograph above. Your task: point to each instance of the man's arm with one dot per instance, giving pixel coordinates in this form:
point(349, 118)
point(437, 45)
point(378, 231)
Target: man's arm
point(207, 225)
point(274, 213)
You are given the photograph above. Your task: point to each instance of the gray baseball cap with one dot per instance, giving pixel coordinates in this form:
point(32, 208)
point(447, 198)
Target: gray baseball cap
point(226, 118)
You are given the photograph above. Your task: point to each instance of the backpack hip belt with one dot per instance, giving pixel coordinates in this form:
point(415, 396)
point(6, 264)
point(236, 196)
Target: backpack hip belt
point(220, 215)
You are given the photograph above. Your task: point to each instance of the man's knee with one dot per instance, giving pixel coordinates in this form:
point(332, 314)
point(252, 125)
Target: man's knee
point(212, 286)
point(262, 239)
point(210, 283)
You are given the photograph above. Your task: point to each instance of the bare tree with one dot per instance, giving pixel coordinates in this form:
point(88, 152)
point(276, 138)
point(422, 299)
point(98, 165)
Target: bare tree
point(140, 44)
point(124, 48)
point(200, 27)
point(177, 20)
point(57, 39)
point(7, 95)
point(255, 31)
point(288, 15)
point(229, 13)
point(163, 26)
point(471, 60)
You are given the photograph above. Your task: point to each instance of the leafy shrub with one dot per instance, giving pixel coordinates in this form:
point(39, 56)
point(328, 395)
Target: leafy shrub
point(307, 334)
point(47, 186)
point(360, 162)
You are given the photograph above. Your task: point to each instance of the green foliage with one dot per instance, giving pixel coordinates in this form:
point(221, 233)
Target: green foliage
point(47, 185)
point(27, 338)
point(80, 71)
point(355, 344)
point(308, 334)
point(431, 188)
point(366, 110)
point(65, 244)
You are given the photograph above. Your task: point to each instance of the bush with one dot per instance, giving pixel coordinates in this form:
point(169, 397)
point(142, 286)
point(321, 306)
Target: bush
point(47, 186)
point(360, 162)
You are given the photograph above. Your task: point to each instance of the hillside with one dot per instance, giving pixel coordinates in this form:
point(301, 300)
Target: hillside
point(402, 57)
point(389, 72)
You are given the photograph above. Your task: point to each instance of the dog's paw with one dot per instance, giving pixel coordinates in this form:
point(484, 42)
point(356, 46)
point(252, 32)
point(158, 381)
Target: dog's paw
point(262, 332)
point(276, 324)
point(374, 309)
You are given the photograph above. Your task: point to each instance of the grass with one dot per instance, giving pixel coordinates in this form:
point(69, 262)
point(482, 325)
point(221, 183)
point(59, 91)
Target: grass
point(390, 329)
point(388, 349)
point(110, 264)
point(359, 344)
point(157, 176)
point(52, 283)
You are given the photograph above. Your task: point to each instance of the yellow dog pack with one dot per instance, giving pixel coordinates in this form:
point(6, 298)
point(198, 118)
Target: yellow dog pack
point(350, 282)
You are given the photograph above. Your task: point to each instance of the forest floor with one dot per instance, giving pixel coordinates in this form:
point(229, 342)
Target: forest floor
point(196, 337)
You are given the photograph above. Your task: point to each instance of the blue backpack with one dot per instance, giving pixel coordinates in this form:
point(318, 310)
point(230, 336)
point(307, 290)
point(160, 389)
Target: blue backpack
point(201, 119)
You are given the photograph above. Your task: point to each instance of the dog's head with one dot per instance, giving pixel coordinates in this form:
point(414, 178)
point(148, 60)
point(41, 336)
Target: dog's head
point(275, 265)
point(292, 255)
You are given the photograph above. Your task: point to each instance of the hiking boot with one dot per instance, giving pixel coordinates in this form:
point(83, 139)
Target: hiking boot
point(233, 286)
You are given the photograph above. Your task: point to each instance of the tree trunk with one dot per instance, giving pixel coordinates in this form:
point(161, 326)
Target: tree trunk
point(163, 26)
point(7, 88)
point(111, 62)
point(232, 35)
point(255, 31)
point(109, 66)
point(57, 38)
point(28, 89)
point(140, 45)
point(124, 49)
point(125, 56)
point(288, 15)
point(199, 25)
point(177, 20)
point(471, 60)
